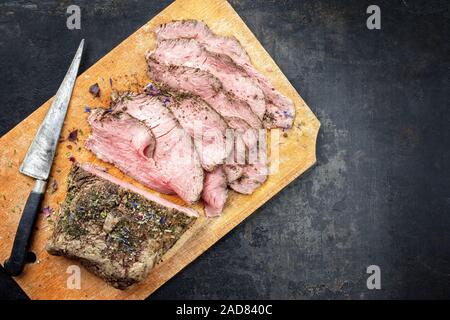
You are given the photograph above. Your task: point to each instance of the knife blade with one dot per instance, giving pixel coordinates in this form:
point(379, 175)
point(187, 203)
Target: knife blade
point(38, 162)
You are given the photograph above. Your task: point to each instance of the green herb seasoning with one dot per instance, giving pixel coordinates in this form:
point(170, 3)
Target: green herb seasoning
point(121, 228)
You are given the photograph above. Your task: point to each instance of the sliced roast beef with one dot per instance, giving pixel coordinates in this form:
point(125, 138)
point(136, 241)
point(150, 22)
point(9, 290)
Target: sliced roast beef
point(174, 154)
point(233, 172)
point(252, 177)
point(194, 29)
point(128, 144)
point(237, 113)
point(248, 176)
point(206, 127)
point(190, 53)
point(215, 192)
point(115, 230)
point(280, 109)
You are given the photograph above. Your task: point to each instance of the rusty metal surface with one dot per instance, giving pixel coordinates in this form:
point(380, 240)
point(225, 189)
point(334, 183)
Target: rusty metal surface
point(380, 191)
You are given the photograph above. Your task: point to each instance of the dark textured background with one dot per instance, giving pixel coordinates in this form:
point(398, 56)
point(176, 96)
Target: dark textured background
point(380, 192)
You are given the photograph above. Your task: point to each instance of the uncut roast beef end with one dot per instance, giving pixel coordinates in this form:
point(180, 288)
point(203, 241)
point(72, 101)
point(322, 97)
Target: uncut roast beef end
point(116, 231)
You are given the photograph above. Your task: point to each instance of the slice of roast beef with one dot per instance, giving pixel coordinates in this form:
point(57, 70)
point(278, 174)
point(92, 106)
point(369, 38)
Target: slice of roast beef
point(174, 154)
point(194, 29)
point(246, 176)
point(233, 172)
point(215, 192)
point(206, 127)
point(128, 144)
point(280, 109)
point(252, 177)
point(115, 230)
point(190, 53)
point(237, 113)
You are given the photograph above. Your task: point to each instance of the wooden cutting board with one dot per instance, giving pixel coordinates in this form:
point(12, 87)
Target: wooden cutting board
point(125, 66)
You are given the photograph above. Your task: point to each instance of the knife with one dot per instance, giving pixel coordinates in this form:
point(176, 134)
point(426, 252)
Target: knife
point(37, 164)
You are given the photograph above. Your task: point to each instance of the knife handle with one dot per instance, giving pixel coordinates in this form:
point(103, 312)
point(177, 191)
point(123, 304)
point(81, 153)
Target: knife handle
point(16, 262)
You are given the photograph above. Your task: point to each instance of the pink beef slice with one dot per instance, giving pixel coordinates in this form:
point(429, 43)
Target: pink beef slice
point(234, 79)
point(128, 144)
point(252, 177)
point(237, 114)
point(194, 29)
point(115, 230)
point(245, 177)
point(233, 172)
point(206, 127)
point(207, 87)
point(175, 155)
point(215, 192)
point(280, 111)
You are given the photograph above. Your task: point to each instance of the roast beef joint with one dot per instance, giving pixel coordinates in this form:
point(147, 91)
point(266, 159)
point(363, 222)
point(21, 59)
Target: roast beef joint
point(198, 130)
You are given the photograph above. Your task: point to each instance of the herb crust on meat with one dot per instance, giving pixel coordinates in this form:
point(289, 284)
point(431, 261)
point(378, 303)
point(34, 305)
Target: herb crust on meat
point(114, 232)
